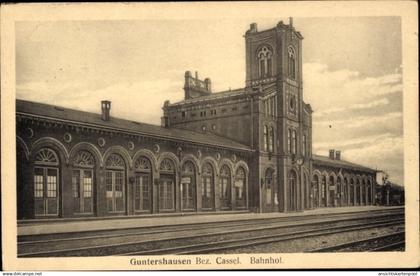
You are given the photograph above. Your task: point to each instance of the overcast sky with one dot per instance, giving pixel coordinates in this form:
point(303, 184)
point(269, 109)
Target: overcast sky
point(352, 73)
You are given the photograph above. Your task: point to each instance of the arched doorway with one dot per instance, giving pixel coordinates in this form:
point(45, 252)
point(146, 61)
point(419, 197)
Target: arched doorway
point(268, 190)
point(24, 192)
point(166, 187)
point(142, 190)
point(46, 183)
point(240, 188)
point(207, 191)
point(339, 193)
point(358, 192)
point(363, 193)
point(292, 191)
point(115, 183)
point(83, 182)
point(305, 204)
point(315, 191)
point(331, 190)
point(323, 191)
point(188, 187)
point(369, 192)
point(345, 192)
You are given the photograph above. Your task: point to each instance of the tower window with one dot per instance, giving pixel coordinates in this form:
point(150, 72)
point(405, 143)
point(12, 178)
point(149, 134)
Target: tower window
point(264, 62)
point(265, 138)
point(271, 140)
point(183, 114)
point(294, 138)
point(292, 63)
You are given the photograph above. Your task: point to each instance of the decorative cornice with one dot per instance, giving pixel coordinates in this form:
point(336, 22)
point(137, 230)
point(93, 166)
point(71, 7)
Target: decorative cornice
point(114, 130)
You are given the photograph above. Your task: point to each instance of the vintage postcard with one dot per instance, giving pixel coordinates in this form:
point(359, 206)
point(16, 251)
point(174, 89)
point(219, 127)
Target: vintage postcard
point(178, 136)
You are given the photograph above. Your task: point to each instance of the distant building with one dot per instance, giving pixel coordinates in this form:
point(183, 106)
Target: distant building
point(243, 149)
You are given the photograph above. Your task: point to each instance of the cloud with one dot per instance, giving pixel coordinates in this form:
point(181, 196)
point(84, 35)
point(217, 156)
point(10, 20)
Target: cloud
point(359, 115)
point(354, 107)
point(352, 143)
point(360, 121)
point(138, 101)
point(325, 89)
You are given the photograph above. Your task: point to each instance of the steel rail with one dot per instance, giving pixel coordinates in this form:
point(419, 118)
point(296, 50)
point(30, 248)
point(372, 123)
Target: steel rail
point(355, 243)
point(254, 229)
point(186, 227)
point(246, 242)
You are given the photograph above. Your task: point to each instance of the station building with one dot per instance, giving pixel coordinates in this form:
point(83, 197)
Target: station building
point(242, 150)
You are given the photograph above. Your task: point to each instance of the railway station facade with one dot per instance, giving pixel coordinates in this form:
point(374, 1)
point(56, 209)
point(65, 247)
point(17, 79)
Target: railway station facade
point(248, 149)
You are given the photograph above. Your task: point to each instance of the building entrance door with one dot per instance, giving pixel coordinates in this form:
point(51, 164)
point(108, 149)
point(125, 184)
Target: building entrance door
point(267, 191)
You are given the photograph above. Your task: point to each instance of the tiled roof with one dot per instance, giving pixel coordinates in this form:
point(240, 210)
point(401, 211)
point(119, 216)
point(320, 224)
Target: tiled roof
point(212, 96)
point(324, 160)
point(94, 119)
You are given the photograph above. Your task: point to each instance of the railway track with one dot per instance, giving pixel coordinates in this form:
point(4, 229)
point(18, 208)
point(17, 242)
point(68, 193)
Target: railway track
point(199, 238)
point(108, 233)
point(386, 242)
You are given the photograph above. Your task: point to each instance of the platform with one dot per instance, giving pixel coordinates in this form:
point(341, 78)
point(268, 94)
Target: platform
point(120, 223)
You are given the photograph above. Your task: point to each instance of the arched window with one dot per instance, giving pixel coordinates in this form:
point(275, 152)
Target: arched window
point(268, 187)
point(264, 62)
point(207, 191)
point(315, 191)
point(358, 191)
point(143, 185)
point(294, 142)
point(265, 138)
point(46, 182)
point(292, 63)
point(289, 141)
point(188, 185)
point(82, 182)
point(271, 140)
point(304, 145)
point(292, 191)
point(324, 191)
point(225, 187)
point(240, 188)
point(167, 185)
point(115, 183)
point(369, 193)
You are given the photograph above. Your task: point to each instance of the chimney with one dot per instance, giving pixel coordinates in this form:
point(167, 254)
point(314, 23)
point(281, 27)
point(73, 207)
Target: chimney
point(207, 82)
point(187, 74)
point(196, 75)
point(332, 154)
point(106, 107)
point(291, 21)
point(338, 155)
point(253, 28)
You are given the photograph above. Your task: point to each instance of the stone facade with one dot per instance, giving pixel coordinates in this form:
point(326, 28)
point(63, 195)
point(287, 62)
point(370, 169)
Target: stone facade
point(244, 149)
